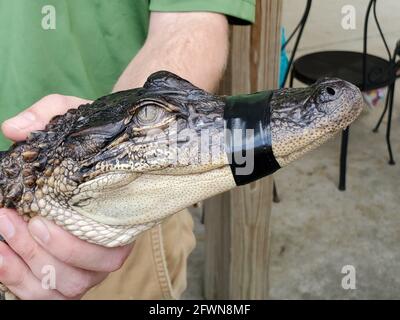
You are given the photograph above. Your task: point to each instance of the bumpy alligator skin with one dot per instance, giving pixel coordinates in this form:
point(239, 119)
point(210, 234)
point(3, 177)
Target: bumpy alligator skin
point(110, 170)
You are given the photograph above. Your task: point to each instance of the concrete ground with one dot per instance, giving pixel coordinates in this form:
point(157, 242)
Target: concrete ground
point(316, 230)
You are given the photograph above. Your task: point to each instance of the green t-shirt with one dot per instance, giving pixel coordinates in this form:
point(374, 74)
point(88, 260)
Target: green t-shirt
point(79, 47)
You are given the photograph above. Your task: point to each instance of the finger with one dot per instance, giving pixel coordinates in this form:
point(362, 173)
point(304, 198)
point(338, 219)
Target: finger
point(16, 276)
point(77, 253)
point(70, 281)
point(38, 115)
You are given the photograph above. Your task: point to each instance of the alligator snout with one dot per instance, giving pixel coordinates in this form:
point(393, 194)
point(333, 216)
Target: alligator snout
point(304, 118)
point(346, 95)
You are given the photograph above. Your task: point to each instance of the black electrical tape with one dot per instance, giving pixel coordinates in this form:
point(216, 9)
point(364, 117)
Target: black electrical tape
point(249, 112)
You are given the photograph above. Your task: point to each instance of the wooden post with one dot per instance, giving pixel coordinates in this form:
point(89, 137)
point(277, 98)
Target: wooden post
point(237, 222)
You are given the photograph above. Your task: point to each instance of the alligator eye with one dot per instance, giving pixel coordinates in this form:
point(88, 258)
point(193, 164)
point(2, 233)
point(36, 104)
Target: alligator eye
point(149, 114)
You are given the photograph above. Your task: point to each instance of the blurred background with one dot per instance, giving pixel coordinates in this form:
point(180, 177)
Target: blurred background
point(316, 229)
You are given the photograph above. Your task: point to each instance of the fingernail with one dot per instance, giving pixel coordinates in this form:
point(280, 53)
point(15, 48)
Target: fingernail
point(22, 121)
point(39, 230)
point(7, 229)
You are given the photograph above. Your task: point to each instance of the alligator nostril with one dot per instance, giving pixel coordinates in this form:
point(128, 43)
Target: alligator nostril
point(330, 91)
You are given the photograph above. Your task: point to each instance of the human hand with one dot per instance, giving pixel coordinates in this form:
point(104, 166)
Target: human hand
point(77, 265)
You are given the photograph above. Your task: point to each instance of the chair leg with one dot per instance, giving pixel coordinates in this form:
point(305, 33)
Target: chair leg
point(389, 125)
point(275, 197)
point(343, 159)
point(384, 110)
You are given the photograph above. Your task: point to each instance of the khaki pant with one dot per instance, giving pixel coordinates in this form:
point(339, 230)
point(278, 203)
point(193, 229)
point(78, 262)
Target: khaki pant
point(156, 268)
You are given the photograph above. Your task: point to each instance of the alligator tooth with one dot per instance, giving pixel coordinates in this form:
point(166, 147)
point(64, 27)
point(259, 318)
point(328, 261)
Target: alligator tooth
point(30, 155)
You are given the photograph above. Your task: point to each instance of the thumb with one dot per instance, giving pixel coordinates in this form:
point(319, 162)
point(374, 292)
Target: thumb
point(38, 115)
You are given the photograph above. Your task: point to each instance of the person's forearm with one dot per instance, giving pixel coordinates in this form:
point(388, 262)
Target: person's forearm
point(192, 45)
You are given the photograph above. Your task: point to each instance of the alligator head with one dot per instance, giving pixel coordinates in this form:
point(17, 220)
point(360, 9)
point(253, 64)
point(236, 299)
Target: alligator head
point(111, 169)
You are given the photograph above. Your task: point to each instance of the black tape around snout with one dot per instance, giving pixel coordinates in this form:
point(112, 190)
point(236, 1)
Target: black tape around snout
point(247, 119)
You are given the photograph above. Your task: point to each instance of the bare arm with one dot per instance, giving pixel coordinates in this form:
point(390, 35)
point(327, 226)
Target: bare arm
point(193, 45)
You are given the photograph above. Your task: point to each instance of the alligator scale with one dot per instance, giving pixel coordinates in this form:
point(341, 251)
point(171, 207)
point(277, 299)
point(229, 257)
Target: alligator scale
point(109, 170)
